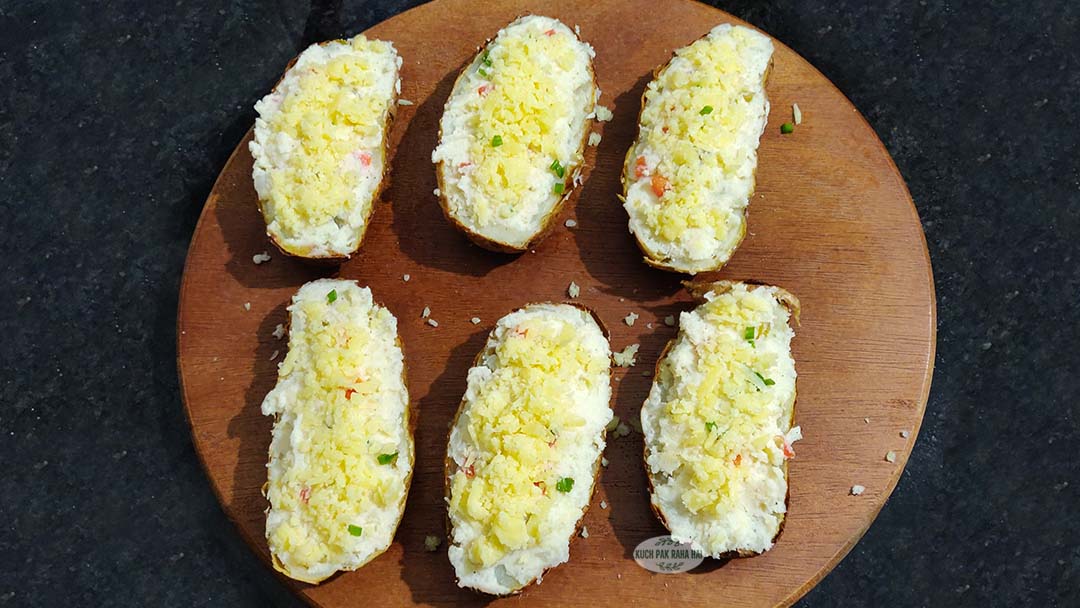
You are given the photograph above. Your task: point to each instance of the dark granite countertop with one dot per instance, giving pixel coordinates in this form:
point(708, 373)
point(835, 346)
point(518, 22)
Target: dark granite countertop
point(116, 117)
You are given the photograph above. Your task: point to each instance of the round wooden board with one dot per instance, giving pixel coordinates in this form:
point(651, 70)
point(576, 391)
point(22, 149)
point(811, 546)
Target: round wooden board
point(831, 221)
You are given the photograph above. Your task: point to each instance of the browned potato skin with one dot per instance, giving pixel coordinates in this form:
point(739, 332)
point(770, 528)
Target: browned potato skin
point(411, 418)
point(698, 290)
point(337, 259)
point(547, 223)
point(651, 258)
point(449, 468)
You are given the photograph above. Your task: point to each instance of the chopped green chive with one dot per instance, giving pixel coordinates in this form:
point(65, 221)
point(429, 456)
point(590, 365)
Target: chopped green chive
point(767, 381)
point(786, 128)
point(706, 110)
point(496, 141)
point(559, 187)
point(387, 458)
point(565, 484)
point(482, 72)
point(486, 59)
point(330, 297)
point(749, 335)
point(710, 426)
point(558, 168)
point(355, 530)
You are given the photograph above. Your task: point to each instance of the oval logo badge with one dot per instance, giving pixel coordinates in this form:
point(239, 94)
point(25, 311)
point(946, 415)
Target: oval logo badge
point(663, 555)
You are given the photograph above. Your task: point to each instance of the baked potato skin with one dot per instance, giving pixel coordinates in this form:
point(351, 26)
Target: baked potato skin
point(697, 291)
point(330, 259)
point(548, 222)
point(411, 420)
point(449, 468)
point(651, 258)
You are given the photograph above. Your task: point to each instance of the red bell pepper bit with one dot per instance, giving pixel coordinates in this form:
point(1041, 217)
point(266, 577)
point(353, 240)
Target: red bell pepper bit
point(789, 452)
point(484, 88)
point(349, 393)
point(364, 158)
point(640, 168)
point(738, 459)
point(305, 494)
point(470, 472)
point(549, 33)
point(659, 185)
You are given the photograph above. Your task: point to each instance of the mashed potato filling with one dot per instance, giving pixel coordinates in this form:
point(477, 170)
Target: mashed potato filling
point(526, 445)
point(689, 175)
point(341, 452)
point(513, 129)
point(717, 422)
point(318, 144)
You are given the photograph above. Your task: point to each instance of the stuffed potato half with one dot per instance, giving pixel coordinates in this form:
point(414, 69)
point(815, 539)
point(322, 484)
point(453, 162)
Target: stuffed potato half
point(689, 175)
point(718, 420)
point(341, 453)
point(513, 131)
point(320, 143)
point(524, 449)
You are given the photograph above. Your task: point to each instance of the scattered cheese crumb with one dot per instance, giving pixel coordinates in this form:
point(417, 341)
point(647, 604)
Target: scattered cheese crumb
point(431, 543)
point(648, 326)
point(796, 113)
point(604, 461)
point(630, 318)
point(404, 102)
point(279, 331)
point(603, 504)
point(405, 277)
point(890, 456)
point(622, 430)
point(627, 357)
point(594, 139)
point(247, 305)
point(857, 490)
point(433, 322)
point(866, 420)
point(584, 532)
point(669, 320)
point(437, 192)
point(426, 313)
point(259, 258)
point(904, 434)
point(577, 29)
point(603, 114)
point(573, 290)
point(475, 320)
point(571, 223)
point(274, 356)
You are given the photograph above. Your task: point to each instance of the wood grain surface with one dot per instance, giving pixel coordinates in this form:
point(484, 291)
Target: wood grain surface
point(831, 221)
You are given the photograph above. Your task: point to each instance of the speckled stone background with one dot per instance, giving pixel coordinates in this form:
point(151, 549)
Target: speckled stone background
point(115, 118)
